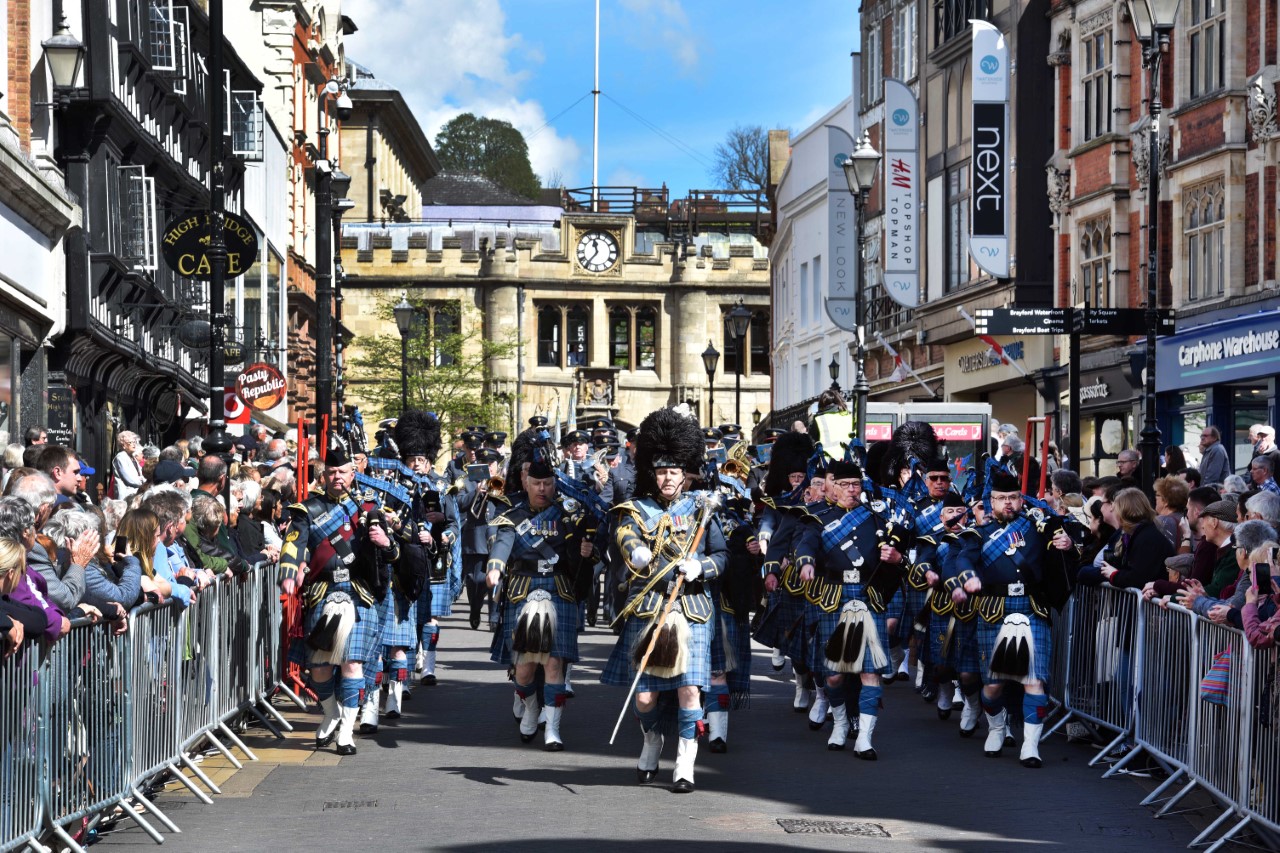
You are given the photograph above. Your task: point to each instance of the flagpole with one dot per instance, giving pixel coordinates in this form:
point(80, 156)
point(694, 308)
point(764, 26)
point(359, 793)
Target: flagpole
point(898, 360)
point(994, 345)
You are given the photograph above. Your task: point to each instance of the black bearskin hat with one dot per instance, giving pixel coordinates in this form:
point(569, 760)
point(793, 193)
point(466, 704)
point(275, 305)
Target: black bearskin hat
point(524, 448)
point(418, 434)
point(912, 440)
point(1002, 481)
point(877, 452)
point(667, 439)
point(791, 452)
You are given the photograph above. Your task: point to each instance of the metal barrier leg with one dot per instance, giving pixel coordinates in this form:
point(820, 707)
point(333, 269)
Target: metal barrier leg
point(1155, 795)
point(199, 774)
point(67, 839)
point(1062, 721)
point(1119, 765)
point(1209, 830)
point(239, 744)
point(1229, 835)
point(1106, 750)
point(153, 810)
point(1177, 798)
point(266, 724)
point(191, 786)
point(293, 697)
point(146, 827)
point(279, 718)
point(226, 753)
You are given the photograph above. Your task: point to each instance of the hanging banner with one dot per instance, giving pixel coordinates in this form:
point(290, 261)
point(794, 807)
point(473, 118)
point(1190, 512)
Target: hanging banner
point(989, 186)
point(901, 194)
point(842, 230)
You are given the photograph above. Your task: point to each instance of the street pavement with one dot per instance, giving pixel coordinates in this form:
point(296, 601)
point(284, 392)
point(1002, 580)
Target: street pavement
point(452, 775)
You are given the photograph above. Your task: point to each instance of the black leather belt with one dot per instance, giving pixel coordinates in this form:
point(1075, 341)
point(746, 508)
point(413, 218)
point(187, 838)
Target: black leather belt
point(1004, 589)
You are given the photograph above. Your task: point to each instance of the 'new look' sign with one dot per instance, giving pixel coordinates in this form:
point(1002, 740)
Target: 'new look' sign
point(989, 188)
point(842, 253)
point(901, 194)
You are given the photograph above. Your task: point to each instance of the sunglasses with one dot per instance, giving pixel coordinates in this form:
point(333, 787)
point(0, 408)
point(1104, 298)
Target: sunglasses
point(939, 478)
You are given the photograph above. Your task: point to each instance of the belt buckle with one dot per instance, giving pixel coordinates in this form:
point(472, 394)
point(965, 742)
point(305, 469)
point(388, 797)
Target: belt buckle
point(546, 567)
point(1017, 589)
point(852, 576)
point(342, 575)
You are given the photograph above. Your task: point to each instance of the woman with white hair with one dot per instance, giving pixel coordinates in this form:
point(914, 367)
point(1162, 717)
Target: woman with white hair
point(126, 466)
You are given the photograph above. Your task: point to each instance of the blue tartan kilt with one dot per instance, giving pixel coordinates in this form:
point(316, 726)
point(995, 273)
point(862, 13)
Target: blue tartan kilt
point(730, 643)
point(826, 626)
point(789, 622)
point(441, 599)
point(913, 601)
point(1040, 634)
point(364, 644)
point(398, 633)
point(963, 654)
point(565, 643)
point(619, 670)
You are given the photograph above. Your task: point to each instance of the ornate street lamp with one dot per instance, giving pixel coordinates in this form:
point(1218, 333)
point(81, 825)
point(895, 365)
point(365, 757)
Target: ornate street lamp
point(739, 323)
point(710, 361)
point(404, 322)
point(860, 170)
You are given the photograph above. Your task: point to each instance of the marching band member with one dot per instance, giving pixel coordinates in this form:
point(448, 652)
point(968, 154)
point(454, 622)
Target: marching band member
point(671, 545)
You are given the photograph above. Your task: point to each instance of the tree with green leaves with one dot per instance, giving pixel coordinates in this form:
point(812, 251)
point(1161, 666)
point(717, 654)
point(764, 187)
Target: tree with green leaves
point(489, 147)
point(448, 368)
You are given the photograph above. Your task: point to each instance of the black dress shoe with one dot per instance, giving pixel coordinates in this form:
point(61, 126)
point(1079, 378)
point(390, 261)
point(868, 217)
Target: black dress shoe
point(718, 745)
point(813, 727)
point(835, 747)
point(368, 729)
point(554, 746)
point(1033, 763)
point(392, 715)
point(475, 621)
point(944, 713)
point(428, 680)
point(322, 742)
point(867, 755)
point(346, 749)
point(991, 753)
point(1009, 741)
point(682, 786)
point(968, 732)
point(524, 738)
point(929, 694)
point(646, 776)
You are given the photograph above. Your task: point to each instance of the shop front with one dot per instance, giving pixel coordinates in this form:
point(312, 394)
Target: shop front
point(974, 373)
point(1107, 426)
point(1221, 374)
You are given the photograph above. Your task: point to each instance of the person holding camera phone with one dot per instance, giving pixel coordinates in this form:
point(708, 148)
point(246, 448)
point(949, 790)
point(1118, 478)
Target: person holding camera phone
point(1260, 616)
point(478, 506)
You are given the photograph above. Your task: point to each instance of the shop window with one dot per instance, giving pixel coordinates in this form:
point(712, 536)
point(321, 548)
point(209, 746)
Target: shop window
point(633, 337)
point(1206, 40)
point(563, 335)
point(958, 271)
point(1095, 262)
point(904, 42)
point(1205, 232)
point(756, 345)
point(1097, 83)
point(951, 17)
point(872, 63)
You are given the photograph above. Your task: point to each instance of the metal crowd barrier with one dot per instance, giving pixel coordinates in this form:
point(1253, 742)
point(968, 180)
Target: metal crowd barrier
point(1136, 667)
point(92, 722)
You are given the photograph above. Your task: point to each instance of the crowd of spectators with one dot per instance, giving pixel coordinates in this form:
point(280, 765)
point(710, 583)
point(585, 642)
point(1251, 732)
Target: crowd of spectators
point(167, 523)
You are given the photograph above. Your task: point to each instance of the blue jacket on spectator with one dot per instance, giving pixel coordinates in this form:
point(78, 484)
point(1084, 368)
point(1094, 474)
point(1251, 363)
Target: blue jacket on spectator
point(164, 570)
point(102, 585)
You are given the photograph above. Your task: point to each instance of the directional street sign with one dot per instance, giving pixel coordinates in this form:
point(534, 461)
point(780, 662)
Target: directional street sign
point(1063, 321)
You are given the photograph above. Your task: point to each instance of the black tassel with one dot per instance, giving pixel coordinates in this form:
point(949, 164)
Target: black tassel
point(519, 636)
point(835, 645)
point(999, 656)
point(853, 645)
point(637, 652)
point(666, 650)
point(545, 627)
point(533, 634)
point(1021, 660)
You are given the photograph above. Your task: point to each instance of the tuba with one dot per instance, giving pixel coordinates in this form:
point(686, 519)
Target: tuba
point(738, 464)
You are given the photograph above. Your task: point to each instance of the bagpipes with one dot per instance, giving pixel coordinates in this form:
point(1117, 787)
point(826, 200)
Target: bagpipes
point(566, 485)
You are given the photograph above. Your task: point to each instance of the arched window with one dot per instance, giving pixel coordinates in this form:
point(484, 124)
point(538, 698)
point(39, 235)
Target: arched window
point(1204, 231)
point(633, 337)
point(564, 335)
point(1095, 262)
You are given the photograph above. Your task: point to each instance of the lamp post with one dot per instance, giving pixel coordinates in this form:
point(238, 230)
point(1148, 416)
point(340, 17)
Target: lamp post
point(217, 442)
point(325, 176)
point(339, 184)
point(1153, 22)
point(64, 54)
point(834, 369)
point(710, 361)
point(860, 170)
point(739, 322)
point(404, 322)
point(756, 416)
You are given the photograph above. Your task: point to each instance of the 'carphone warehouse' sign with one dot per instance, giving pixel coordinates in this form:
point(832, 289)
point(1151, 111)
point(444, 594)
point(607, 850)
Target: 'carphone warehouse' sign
point(1240, 348)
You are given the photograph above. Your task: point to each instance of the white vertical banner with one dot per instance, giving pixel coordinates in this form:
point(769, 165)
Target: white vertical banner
point(901, 194)
point(989, 187)
point(842, 231)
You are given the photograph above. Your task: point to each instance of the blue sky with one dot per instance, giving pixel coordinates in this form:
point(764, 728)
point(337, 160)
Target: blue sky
point(692, 68)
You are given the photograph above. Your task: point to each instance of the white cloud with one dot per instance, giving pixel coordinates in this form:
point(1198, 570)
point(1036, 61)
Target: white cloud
point(665, 23)
point(455, 56)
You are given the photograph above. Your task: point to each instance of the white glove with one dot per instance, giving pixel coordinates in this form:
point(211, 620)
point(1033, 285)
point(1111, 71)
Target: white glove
point(691, 569)
point(640, 557)
point(764, 544)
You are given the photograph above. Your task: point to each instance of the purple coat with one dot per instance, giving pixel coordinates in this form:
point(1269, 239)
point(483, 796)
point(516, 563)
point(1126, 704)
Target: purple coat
point(32, 590)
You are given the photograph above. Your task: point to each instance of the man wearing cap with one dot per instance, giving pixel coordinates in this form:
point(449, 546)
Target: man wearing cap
point(494, 439)
point(478, 506)
point(472, 442)
point(82, 495)
point(336, 542)
point(537, 546)
point(1003, 563)
point(577, 465)
point(843, 557)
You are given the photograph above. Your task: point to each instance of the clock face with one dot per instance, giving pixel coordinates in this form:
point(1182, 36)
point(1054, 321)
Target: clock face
point(597, 251)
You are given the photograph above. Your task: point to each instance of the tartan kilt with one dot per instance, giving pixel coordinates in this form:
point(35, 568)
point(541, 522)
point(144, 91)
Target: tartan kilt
point(441, 599)
point(1041, 634)
point(619, 670)
point(787, 627)
point(826, 626)
point(913, 601)
point(963, 654)
point(565, 643)
point(364, 644)
point(398, 633)
point(735, 635)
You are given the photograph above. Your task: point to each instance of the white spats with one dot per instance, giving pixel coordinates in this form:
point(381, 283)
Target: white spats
point(840, 729)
